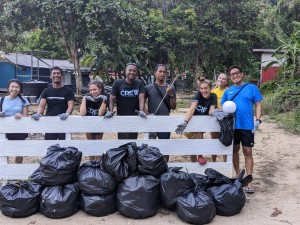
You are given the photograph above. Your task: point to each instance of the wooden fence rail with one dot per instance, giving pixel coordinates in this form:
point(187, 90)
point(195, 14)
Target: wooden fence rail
point(177, 145)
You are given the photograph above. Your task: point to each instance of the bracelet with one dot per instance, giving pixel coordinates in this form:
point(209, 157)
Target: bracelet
point(258, 120)
point(186, 122)
point(171, 96)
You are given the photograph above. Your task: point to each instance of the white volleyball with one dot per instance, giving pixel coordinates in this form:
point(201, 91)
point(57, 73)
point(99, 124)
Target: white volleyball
point(229, 107)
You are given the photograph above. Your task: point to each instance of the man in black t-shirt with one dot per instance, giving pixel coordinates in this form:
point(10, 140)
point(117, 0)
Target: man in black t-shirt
point(130, 96)
point(59, 100)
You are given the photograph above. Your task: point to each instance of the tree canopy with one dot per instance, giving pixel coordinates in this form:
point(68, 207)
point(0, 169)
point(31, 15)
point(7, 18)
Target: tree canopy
point(200, 36)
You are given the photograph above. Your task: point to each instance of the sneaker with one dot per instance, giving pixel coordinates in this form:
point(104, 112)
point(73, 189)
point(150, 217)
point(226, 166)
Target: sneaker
point(202, 160)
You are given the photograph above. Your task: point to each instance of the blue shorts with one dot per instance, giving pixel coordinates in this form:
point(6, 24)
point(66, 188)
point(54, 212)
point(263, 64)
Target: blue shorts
point(243, 136)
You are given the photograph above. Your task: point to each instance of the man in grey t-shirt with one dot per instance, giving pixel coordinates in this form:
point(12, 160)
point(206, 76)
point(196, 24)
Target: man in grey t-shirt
point(154, 94)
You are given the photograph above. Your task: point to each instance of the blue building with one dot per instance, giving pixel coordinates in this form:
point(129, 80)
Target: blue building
point(28, 67)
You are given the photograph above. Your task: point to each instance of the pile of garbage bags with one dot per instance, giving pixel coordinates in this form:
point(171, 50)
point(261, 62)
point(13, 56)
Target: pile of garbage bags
point(131, 179)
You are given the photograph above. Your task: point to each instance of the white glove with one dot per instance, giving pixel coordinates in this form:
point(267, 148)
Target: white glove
point(256, 125)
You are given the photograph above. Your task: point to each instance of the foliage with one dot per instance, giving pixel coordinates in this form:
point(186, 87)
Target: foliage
point(42, 40)
point(284, 99)
point(117, 31)
point(288, 122)
point(270, 86)
point(15, 17)
point(282, 103)
point(288, 53)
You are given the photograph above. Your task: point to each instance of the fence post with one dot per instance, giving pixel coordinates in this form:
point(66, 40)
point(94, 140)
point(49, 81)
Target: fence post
point(3, 160)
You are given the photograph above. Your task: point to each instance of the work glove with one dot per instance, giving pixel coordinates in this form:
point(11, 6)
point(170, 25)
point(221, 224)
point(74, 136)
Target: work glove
point(141, 114)
point(64, 116)
point(181, 127)
point(89, 98)
point(256, 125)
point(36, 116)
point(219, 114)
point(109, 114)
point(101, 97)
point(2, 114)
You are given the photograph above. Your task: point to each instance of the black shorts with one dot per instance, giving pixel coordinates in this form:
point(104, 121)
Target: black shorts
point(55, 136)
point(159, 135)
point(243, 136)
point(18, 136)
point(127, 135)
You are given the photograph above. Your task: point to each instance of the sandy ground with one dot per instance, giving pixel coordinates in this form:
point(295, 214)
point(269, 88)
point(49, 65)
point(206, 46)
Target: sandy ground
point(276, 178)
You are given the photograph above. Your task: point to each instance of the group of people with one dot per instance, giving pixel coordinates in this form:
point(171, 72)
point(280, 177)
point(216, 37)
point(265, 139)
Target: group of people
point(208, 101)
point(131, 96)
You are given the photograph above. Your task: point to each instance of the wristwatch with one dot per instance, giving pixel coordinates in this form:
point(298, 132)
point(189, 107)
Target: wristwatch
point(258, 120)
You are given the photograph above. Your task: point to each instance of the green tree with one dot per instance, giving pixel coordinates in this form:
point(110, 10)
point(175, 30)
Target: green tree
point(288, 53)
point(42, 40)
point(15, 17)
point(117, 35)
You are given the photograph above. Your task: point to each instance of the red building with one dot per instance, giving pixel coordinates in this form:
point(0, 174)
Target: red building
point(266, 58)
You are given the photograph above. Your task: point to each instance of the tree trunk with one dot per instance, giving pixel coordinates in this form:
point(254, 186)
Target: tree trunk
point(63, 36)
point(77, 71)
point(74, 57)
point(197, 65)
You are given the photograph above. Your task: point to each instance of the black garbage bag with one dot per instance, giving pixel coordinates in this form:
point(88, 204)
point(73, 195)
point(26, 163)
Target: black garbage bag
point(200, 180)
point(196, 207)
point(120, 162)
point(36, 176)
point(60, 201)
point(226, 131)
point(138, 196)
point(99, 205)
point(229, 198)
point(173, 184)
point(215, 178)
point(151, 161)
point(60, 165)
point(94, 180)
point(20, 200)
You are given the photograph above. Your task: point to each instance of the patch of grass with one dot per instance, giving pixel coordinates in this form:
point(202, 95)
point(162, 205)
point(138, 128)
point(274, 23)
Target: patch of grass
point(183, 103)
point(283, 106)
point(184, 100)
point(288, 122)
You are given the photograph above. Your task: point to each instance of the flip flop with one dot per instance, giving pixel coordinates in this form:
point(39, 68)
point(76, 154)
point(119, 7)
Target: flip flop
point(202, 161)
point(250, 190)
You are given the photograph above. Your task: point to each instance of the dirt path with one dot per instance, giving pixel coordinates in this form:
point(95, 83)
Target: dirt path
point(276, 177)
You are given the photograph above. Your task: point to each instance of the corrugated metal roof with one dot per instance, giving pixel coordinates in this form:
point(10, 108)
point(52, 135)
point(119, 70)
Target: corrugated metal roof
point(24, 60)
point(28, 60)
point(266, 50)
point(63, 64)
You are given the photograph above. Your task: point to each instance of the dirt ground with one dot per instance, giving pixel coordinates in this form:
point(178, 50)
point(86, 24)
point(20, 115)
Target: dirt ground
point(275, 202)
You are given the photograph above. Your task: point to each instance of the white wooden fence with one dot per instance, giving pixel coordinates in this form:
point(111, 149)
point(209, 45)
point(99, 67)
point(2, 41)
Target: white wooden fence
point(78, 124)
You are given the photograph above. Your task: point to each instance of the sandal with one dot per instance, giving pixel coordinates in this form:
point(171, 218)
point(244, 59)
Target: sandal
point(201, 160)
point(250, 190)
